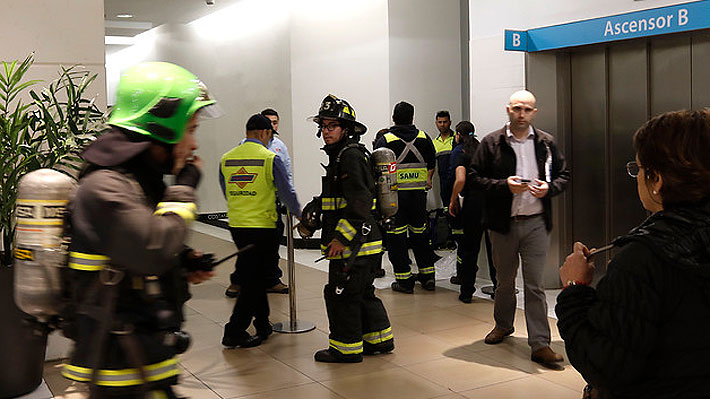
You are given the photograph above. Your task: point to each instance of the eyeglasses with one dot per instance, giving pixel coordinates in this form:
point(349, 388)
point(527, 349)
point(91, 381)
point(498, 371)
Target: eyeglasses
point(632, 168)
point(330, 127)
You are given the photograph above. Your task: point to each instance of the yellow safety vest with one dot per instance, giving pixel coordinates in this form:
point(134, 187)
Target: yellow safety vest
point(443, 147)
point(248, 171)
point(410, 175)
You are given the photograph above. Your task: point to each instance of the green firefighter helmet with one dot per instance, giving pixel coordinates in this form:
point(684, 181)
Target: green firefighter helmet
point(157, 99)
point(336, 108)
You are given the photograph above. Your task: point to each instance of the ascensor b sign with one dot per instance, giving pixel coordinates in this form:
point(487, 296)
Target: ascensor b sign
point(657, 21)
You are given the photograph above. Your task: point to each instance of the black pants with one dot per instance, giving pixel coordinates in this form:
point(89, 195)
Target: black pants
point(252, 265)
point(467, 233)
point(355, 314)
point(410, 218)
point(272, 272)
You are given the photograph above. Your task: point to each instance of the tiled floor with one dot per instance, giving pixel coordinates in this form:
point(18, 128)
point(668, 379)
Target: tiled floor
point(439, 350)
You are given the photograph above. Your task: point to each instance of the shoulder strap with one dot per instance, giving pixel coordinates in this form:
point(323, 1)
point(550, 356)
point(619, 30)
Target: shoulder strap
point(410, 147)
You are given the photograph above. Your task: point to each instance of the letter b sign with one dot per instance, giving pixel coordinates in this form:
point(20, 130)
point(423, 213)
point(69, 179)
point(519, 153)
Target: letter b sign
point(516, 40)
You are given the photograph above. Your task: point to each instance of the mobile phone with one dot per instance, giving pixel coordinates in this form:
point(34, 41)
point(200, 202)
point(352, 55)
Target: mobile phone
point(525, 180)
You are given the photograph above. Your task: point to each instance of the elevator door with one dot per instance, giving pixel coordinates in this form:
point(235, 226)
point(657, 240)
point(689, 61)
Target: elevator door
point(614, 89)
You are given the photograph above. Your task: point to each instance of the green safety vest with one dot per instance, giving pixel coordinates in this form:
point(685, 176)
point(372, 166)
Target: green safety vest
point(443, 147)
point(410, 175)
point(248, 171)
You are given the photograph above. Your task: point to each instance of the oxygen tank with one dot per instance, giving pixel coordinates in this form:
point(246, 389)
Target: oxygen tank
point(42, 197)
point(384, 163)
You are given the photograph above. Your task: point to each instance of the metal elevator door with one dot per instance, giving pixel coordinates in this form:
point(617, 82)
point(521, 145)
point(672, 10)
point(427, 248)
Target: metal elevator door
point(614, 88)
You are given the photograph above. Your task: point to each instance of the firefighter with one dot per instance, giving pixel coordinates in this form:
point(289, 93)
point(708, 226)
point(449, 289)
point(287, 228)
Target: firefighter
point(126, 284)
point(415, 167)
point(350, 239)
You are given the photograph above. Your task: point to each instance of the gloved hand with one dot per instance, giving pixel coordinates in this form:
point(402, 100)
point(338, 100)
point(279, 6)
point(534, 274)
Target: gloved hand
point(189, 175)
point(303, 231)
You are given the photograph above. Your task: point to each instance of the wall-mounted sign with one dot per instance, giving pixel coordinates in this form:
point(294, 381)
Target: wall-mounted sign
point(658, 21)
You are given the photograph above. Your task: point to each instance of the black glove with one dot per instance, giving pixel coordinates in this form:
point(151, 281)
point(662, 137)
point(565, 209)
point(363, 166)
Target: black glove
point(203, 263)
point(189, 175)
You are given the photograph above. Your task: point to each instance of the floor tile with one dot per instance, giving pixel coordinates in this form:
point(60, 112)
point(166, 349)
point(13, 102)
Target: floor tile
point(308, 391)
point(461, 375)
point(319, 371)
point(529, 387)
point(390, 383)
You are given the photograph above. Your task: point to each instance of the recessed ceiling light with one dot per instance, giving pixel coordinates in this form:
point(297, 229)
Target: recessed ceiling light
point(124, 16)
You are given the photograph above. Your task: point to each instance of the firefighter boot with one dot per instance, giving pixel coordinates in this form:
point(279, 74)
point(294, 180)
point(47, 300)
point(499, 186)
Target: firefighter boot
point(383, 347)
point(331, 355)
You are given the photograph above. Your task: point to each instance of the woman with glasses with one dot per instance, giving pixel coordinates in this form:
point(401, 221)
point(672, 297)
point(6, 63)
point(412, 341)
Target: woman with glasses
point(636, 333)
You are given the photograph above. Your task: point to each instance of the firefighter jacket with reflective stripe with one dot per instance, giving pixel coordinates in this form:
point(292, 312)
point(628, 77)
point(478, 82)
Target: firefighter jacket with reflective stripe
point(348, 196)
point(124, 218)
point(415, 155)
point(248, 171)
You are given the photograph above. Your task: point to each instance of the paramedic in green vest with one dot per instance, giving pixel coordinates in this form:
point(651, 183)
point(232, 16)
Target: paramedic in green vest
point(251, 176)
point(415, 167)
point(443, 145)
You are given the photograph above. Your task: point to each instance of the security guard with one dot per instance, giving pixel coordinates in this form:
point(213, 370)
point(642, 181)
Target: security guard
point(250, 175)
point(125, 284)
point(415, 167)
point(350, 239)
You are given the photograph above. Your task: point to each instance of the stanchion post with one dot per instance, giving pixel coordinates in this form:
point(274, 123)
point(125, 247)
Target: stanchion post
point(294, 325)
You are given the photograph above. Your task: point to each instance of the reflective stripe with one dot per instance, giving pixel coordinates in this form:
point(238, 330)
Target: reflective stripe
point(368, 248)
point(346, 229)
point(417, 230)
point(378, 336)
point(458, 259)
point(445, 152)
point(334, 203)
point(157, 395)
point(87, 262)
point(345, 348)
point(124, 377)
point(411, 176)
point(186, 210)
point(398, 230)
point(426, 270)
point(390, 137)
point(403, 276)
point(244, 162)
point(456, 231)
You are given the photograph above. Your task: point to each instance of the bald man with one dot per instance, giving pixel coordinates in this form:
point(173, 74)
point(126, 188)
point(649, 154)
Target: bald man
point(519, 168)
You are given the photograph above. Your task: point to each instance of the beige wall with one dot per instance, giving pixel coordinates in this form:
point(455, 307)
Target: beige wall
point(60, 32)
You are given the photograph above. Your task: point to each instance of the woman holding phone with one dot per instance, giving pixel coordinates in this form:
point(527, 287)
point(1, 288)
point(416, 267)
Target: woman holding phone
point(633, 335)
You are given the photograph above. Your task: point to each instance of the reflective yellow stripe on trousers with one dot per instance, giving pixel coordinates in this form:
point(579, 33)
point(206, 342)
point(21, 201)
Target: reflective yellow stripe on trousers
point(377, 337)
point(124, 377)
point(87, 262)
point(346, 348)
point(368, 248)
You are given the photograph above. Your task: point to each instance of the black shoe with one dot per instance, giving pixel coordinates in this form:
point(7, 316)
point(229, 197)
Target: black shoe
point(279, 288)
point(382, 347)
point(399, 287)
point(331, 355)
point(455, 280)
point(263, 330)
point(465, 298)
point(429, 285)
point(243, 340)
point(379, 273)
point(232, 291)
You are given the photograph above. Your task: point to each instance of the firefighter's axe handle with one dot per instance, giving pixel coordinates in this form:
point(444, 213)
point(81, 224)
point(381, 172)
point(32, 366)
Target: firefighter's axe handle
point(243, 249)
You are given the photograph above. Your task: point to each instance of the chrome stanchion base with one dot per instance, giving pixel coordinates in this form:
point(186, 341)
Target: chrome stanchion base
point(299, 326)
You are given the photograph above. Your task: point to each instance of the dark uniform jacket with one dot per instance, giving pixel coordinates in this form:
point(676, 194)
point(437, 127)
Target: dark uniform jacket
point(494, 161)
point(639, 334)
point(348, 198)
point(124, 216)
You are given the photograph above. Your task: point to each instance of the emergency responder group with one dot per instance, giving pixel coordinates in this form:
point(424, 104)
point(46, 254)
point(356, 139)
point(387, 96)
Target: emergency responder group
point(130, 268)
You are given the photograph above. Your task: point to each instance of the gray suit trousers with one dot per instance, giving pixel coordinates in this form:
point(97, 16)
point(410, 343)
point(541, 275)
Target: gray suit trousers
point(526, 245)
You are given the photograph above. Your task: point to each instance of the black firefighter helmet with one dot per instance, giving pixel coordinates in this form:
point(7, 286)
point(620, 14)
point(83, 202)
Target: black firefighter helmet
point(336, 108)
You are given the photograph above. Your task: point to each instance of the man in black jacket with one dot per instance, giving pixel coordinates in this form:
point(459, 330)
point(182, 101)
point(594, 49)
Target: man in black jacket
point(520, 168)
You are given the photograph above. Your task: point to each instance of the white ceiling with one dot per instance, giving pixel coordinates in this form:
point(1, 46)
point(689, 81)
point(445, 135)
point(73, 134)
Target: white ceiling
point(152, 13)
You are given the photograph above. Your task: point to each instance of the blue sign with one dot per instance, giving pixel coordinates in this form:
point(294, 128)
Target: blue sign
point(658, 21)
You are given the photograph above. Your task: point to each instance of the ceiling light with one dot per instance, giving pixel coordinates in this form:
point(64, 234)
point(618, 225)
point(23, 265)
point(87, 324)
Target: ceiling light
point(124, 16)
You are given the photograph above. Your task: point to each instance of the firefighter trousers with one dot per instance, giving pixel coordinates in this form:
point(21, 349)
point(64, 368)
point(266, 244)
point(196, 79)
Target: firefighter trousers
point(356, 317)
point(411, 218)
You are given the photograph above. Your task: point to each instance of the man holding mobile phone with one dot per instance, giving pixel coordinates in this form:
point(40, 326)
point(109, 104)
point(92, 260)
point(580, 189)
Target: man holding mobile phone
point(519, 168)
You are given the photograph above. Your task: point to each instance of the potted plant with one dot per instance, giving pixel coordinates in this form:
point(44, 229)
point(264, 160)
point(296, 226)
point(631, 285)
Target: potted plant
point(43, 128)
